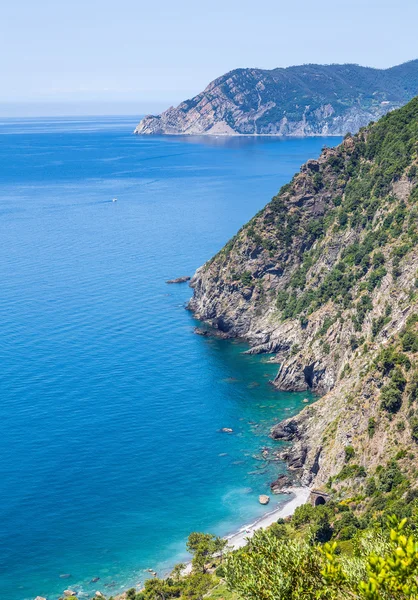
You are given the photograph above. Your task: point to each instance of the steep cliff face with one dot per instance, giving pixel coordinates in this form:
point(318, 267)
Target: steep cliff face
point(297, 101)
point(325, 276)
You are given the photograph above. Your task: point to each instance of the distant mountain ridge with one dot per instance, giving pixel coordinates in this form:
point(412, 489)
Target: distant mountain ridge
point(303, 100)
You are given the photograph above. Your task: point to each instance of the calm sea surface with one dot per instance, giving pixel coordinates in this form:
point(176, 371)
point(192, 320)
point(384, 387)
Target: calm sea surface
point(110, 406)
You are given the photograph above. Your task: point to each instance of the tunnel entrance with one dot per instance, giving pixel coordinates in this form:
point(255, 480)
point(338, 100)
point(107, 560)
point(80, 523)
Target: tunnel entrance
point(317, 498)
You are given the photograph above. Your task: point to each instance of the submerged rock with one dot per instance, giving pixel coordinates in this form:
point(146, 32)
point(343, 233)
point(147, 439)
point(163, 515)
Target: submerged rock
point(227, 430)
point(211, 333)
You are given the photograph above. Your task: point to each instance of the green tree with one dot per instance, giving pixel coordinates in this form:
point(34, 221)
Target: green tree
point(178, 570)
point(385, 567)
point(203, 546)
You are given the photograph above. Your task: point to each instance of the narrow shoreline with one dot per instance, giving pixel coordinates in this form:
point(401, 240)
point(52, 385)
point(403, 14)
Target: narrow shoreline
point(300, 496)
point(285, 509)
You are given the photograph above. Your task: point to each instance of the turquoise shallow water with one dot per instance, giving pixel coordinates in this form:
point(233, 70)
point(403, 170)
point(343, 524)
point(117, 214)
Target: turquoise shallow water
point(110, 406)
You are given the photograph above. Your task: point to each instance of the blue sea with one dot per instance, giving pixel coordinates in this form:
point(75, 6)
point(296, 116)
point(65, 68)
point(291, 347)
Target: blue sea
point(110, 405)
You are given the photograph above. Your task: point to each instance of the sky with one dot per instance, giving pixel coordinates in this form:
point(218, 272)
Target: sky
point(135, 57)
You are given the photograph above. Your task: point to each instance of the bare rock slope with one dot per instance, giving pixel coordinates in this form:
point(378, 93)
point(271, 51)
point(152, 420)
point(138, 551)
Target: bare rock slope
point(296, 101)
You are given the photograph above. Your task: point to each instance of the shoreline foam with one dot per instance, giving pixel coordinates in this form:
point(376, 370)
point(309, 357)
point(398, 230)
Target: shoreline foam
point(240, 538)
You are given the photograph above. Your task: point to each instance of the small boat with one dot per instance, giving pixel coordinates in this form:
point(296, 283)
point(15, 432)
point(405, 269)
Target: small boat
point(114, 199)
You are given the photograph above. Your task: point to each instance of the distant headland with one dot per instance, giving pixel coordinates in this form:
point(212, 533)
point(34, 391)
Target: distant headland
point(305, 100)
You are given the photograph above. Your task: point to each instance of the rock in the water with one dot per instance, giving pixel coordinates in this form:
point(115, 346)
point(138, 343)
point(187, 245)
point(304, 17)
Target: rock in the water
point(263, 499)
point(211, 333)
point(179, 280)
point(95, 579)
point(40, 598)
point(202, 332)
point(69, 593)
point(285, 431)
point(282, 482)
point(227, 430)
point(65, 576)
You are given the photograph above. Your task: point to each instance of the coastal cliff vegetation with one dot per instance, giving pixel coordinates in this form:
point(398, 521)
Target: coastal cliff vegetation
point(325, 277)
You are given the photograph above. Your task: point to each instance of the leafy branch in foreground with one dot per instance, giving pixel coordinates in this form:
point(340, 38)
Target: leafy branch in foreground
point(270, 568)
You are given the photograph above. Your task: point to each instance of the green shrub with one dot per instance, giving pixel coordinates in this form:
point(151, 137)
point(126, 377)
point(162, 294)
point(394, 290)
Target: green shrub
point(303, 514)
point(409, 341)
point(371, 427)
point(370, 487)
point(351, 472)
point(414, 428)
point(220, 572)
point(246, 279)
point(349, 453)
point(390, 398)
point(390, 477)
point(412, 389)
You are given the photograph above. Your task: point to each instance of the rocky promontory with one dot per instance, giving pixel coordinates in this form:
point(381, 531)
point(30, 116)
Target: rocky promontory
point(303, 100)
point(325, 277)
point(183, 279)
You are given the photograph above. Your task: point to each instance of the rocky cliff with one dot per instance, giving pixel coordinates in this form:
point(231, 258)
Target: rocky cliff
point(296, 101)
point(325, 276)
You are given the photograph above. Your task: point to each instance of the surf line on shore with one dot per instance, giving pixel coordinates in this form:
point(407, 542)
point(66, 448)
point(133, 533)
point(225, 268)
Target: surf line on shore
point(240, 538)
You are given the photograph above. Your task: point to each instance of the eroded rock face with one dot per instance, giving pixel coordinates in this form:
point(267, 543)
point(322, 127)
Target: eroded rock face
point(281, 484)
point(321, 99)
point(285, 431)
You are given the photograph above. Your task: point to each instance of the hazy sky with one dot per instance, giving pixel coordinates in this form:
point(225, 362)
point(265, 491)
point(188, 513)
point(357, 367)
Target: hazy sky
point(135, 56)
